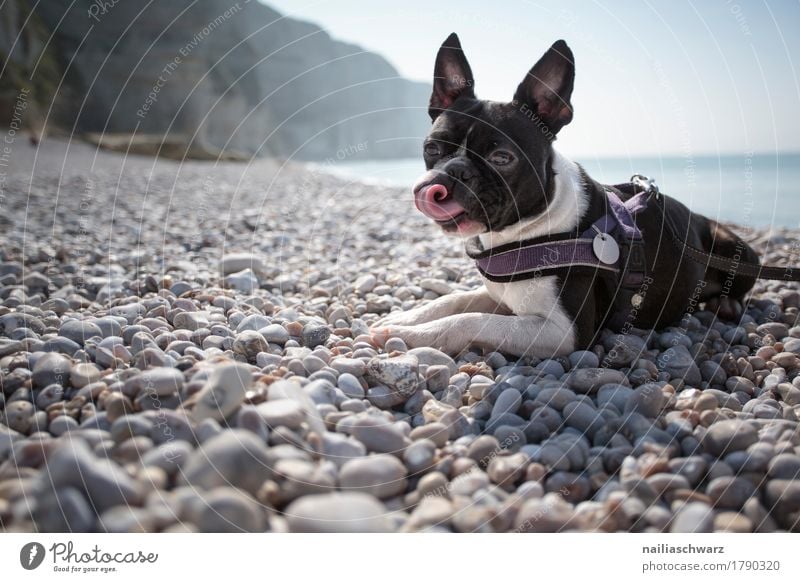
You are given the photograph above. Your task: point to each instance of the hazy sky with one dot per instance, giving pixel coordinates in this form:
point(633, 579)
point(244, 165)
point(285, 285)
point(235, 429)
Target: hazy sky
point(669, 77)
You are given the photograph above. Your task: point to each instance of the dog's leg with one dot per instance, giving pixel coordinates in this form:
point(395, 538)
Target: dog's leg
point(517, 335)
point(467, 302)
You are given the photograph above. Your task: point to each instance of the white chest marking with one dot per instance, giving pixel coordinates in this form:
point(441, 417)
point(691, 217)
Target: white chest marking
point(539, 296)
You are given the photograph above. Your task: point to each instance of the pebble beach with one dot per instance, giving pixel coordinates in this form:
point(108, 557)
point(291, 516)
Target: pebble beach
point(186, 347)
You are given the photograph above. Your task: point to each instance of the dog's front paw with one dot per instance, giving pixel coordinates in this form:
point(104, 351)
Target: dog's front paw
point(417, 336)
point(402, 318)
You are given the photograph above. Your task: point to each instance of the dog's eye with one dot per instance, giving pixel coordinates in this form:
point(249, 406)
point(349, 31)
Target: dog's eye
point(501, 158)
point(432, 149)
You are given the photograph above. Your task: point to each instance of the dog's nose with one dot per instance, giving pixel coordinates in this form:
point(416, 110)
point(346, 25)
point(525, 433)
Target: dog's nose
point(459, 171)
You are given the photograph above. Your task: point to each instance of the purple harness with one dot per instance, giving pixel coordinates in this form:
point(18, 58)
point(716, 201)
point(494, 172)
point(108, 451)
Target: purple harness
point(613, 245)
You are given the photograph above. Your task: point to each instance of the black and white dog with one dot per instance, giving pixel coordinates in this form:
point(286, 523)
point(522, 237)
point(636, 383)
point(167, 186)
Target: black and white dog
point(493, 174)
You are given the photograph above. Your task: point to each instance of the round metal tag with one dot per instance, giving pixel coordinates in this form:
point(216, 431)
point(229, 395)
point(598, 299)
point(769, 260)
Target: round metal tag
point(605, 248)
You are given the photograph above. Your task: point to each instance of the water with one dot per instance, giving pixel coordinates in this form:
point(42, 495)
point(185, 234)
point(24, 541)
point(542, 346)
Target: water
point(758, 190)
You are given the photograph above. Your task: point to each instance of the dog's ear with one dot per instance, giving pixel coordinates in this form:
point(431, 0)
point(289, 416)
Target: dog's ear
point(548, 87)
point(452, 77)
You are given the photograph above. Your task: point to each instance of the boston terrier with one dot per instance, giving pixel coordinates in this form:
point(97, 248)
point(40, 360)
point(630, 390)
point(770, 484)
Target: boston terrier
point(494, 178)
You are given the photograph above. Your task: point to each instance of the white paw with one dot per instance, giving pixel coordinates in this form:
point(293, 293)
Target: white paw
point(412, 317)
point(424, 335)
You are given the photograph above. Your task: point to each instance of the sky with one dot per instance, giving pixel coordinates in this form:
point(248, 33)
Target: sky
point(675, 77)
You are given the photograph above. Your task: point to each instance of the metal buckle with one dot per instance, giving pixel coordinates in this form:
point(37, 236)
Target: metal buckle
point(646, 183)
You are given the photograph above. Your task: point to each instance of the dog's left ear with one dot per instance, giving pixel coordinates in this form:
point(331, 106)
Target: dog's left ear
point(547, 88)
point(452, 77)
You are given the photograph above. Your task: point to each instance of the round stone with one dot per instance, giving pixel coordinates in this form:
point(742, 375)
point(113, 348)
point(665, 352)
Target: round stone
point(249, 343)
point(729, 435)
point(694, 517)
point(382, 476)
point(647, 400)
point(79, 331)
point(345, 512)
point(82, 374)
point(223, 392)
point(160, 381)
point(785, 466)
point(50, 369)
point(234, 457)
point(283, 412)
point(588, 380)
point(730, 492)
point(227, 510)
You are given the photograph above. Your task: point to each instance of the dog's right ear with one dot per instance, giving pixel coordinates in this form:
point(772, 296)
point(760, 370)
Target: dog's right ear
point(452, 77)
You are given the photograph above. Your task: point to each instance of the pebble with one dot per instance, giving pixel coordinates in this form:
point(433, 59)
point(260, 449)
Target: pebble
point(433, 357)
point(647, 400)
point(50, 369)
point(64, 510)
point(191, 320)
point(227, 510)
point(249, 343)
point(315, 334)
point(234, 457)
point(223, 392)
point(73, 465)
point(730, 492)
point(419, 456)
point(285, 412)
point(339, 448)
point(79, 331)
point(584, 359)
point(400, 374)
point(588, 380)
point(18, 416)
point(82, 374)
point(583, 418)
point(550, 514)
point(382, 476)
point(379, 436)
point(729, 435)
point(350, 385)
point(345, 512)
point(784, 466)
point(235, 262)
point(694, 517)
point(436, 432)
point(275, 333)
point(160, 381)
point(679, 364)
point(507, 402)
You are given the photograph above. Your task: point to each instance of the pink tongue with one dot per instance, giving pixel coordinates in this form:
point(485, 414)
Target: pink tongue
point(434, 202)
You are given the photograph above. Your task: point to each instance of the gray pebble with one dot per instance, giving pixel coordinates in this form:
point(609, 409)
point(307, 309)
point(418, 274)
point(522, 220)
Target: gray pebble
point(346, 512)
point(79, 331)
point(235, 458)
point(223, 392)
point(729, 435)
point(382, 476)
point(694, 517)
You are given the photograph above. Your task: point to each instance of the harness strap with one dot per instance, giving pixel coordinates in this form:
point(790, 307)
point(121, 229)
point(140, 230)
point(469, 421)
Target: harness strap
point(535, 257)
point(720, 263)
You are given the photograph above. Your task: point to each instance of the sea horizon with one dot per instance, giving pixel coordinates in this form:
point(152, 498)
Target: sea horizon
point(750, 189)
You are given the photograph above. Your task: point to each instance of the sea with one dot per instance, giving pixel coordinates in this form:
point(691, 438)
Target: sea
point(755, 190)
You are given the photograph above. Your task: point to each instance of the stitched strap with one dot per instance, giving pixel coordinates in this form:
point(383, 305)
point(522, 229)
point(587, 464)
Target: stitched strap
point(720, 263)
point(542, 257)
